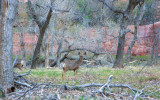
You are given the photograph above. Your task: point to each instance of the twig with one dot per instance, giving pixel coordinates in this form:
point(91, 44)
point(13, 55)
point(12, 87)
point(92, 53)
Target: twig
point(92, 51)
point(27, 73)
point(27, 92)
point(24, 84)
point(111, 8)
point(14, 61)
point(101, 90)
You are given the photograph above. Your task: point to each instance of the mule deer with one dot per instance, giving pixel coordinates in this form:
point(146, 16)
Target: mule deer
point(19, 64)
point(72, 65)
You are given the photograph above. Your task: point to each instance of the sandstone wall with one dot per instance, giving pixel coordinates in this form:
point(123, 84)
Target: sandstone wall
point(143, 45)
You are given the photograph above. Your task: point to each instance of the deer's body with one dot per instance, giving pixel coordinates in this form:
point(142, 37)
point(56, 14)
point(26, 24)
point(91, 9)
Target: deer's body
point(19, 64)
point(72, 65)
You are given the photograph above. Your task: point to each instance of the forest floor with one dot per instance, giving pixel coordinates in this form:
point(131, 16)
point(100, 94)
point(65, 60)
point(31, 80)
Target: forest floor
point(140, 78)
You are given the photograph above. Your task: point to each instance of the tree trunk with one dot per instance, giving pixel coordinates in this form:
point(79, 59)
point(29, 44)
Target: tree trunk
point(137, 21)
point(121, 41)
point(9, 8)
point(47, 53)
point(44, 46)
point(2, 14)
point(156, 52)
point(22, 44)
point(121, 44)
point(42, 26)
point(120, 52)
point(37, 49)
point(131, 46)
point(59, 53)
point(52, 46)
point(153, 47)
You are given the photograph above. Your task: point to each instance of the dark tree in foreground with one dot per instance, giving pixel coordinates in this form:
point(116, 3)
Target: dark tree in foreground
point(7, 16)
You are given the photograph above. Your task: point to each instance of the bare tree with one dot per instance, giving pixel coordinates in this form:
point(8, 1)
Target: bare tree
point(137, 20)
point(8, 9)
point(123, 28)
point(156, 52)
point(42, 27)
point(155, 45)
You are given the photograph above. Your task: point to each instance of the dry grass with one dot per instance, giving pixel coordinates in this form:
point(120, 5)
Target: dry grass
point(129, 75)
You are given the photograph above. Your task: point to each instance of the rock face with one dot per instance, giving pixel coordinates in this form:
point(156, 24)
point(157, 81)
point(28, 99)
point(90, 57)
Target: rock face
point(143, 45)
point(29, 40)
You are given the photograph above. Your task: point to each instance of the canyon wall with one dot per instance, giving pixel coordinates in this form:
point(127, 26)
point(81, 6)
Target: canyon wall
point(143, 45)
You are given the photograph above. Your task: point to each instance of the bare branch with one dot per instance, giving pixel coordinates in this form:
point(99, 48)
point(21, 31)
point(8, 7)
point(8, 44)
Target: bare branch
point(58, 10)
point(97, 53)
point(27, 73)
point(124, 32)
point(46, 22)
point(33, 14)
point(101, 90)
point(14, 61)
point(54, 10)
point(24, 84)
point(111, 8)
point(67, 87)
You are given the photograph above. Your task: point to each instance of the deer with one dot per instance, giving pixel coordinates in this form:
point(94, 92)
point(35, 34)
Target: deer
point(19, 64)
point(72, 65)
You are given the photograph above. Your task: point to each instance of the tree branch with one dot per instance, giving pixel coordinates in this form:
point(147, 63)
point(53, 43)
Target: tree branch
point(33, 14)
point(47, 20)
point(27, 73)
point(101, 90)
point(96, 53)
point(24, 84)
point(111, 8)
point(59, 10)
point(124, 32)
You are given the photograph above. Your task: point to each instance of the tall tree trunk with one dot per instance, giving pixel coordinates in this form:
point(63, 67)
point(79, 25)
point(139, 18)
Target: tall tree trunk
point(47, 52)
point(120, 52)
point(134, 39)
point(22, 44)
point(123, 25)
point(153, 46)
point(37, 49)
point(121, 44)
point(42, 27)
point(156, 52)
point(121, 41)
point(59, 53)
point(137, 21)
point(44, 46)
point(9, 8)
point(2, 14)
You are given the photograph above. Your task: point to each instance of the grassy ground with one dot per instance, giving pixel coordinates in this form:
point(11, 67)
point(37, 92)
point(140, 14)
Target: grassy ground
point(129, 75)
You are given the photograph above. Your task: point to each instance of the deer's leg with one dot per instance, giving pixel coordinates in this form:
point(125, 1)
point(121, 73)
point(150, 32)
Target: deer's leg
point(20, 67)
point(63, 75)
point(75, 72)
